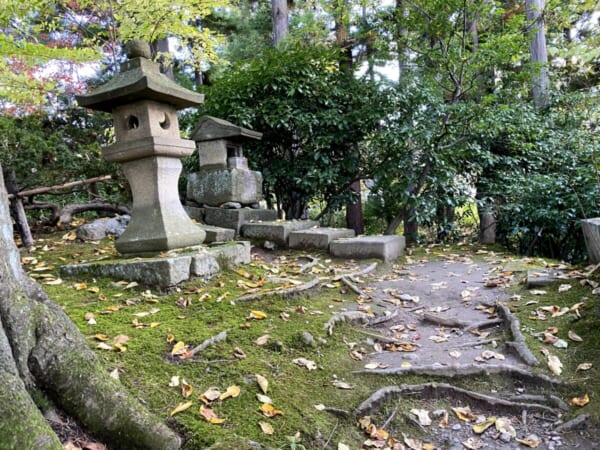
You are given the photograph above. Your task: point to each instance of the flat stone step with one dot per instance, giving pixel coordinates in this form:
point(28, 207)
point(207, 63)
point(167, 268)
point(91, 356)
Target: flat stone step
point(217, 234)
point(319, 237)
point(170, 270)
point(387, 248)
point(276, 231)
point(543, 277)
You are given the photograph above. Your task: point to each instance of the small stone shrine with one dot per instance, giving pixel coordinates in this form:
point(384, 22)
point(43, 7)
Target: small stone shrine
point(144, 104)
point(224, 177)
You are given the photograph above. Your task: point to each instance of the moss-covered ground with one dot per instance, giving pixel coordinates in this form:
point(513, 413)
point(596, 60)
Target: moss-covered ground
point(139, 328)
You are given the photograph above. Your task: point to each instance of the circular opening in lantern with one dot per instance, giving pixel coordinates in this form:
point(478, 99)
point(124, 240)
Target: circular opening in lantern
point(133, 122)
point(165, 123)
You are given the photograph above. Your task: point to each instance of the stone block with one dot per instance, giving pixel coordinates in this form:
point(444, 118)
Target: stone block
point(194, 212)
point(161, 272)
point(277, 232)
point(317, 237)
point(212, 154)
point(215, 187)
point(235, 218)
point(217, 234)
point(387, 248)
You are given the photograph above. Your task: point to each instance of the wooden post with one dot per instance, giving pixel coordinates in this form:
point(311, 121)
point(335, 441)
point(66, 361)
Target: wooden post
point(16, 208)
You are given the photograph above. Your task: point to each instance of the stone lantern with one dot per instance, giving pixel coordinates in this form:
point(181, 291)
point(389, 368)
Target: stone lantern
point(224, 177)
point(144, 104)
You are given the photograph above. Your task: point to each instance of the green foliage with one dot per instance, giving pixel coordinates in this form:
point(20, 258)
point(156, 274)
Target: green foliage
point(312, 116)
point(544, 174)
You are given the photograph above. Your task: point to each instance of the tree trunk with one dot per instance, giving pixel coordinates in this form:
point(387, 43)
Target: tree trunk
point(538, 51)
point(162, 46)
point(17, 210)
point(42, 353)
point(354, 212)
point(280, 20)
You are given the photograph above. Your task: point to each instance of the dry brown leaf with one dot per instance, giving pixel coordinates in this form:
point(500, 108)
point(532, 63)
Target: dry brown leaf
point(186, 389)
point(504, 425)
point(210, 416)
point(584, 366)
point(263, 339)
point(422, 416)
point(266, 427)
point(210, 395)
point(465, 414)
point(580, 401)
point(574, 336)
point(263, 383)
point(473, 443)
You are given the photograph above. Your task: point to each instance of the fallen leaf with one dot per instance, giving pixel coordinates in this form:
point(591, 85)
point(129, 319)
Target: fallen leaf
point(584, 366)
point(537, 292)
point(580, 401)
point(174, 381)
point(264, 399)
point(114, 374)
point(258, 315)
point(103, 346)
point(210, 416)
point(342, 446)
point(238, 353)
point(180, 407)
point(179, 348)
point(438, 339)
point(473, 443)
point(342, 385)
point(263, 339)
point(211, 394)
point(414, 444)
point(504, 425)
point(266, 427)
point(186, 389)
point(303, 362)
point(269, 411)
point(455, 354)
point(422, 416)
point(531, 441)
point(232, 391)
point(564, 287)
point(263, 383)
point(574, 336)
point(120, 339)
point(481, 427)
point(465, 414)
point(101, 337)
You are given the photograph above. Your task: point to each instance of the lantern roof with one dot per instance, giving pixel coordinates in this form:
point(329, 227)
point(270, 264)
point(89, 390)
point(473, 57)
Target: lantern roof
point(139, 79)
point(211, 128)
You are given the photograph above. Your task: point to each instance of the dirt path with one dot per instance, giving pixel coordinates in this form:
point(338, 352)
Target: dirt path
point(445, 324)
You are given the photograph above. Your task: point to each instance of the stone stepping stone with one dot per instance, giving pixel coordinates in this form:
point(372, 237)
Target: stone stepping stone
point(277, 232)
point(387, 248)
point(542, 277)
point(319, 238)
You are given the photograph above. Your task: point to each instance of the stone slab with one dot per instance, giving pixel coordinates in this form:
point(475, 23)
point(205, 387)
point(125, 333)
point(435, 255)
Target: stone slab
point(217, 234)
point(387, 248)
point(236, 218)
point(194, 212)
point(319, 237)
point(215, 187)
point(170, 270)
point(276, 231)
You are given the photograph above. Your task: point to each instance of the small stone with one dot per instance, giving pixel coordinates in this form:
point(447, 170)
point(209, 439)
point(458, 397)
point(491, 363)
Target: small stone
point(231, 205)
point(505, 437)
point(405, 297)
point(409, 357)
point(269, 245)
point(308, 339)
point(456, 427)
point(551, 445)
point(438, 413)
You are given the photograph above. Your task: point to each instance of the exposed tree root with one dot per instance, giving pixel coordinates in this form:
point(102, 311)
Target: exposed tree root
point(351, 275)
point(337, 411)
point(346, 316)
point(483, 324)
point(379, 337)
point(444, 321)
point(354, 288)
point(518, 342)
point(383, 318)
point(286, 292)
point(547, 399)
point(309, 265)
point(573, 424)
point(208, 342)
point(444, 390)
point(460, 370)
point(474, 343)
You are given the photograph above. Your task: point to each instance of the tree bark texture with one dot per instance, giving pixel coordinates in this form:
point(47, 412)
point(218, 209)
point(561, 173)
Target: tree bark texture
point(17, 210)
point(538, 51)
point(42, 353)
point(280, 20)
point(354, 212)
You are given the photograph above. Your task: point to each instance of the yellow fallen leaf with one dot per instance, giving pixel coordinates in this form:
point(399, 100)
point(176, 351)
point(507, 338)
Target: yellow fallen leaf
point(178, 348)
point(170, 338)
point(465, 414)
point(243, 273)
point(481, 427)
point(504, 425)
point(529, 441)
point(232, 391)
point(186, 389)
point(180, 407)
point(210, 416)
point(263, 383)
point(259, 315)
point(55, 282)
point(94, 289)
point(101, 337)
point(266, 427)
point(580, 401)
point(79, 286)
point(269, 411)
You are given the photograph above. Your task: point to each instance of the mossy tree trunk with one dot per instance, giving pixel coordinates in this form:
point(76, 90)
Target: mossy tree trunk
point(42, 353)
